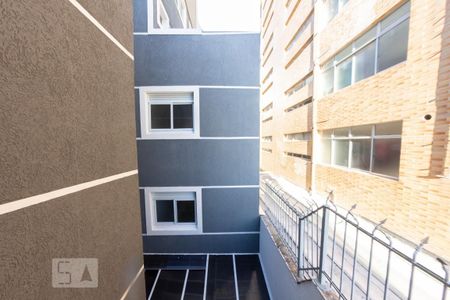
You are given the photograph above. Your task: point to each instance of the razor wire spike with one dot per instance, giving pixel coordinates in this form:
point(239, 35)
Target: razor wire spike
point(378, 225)
point(424, 241)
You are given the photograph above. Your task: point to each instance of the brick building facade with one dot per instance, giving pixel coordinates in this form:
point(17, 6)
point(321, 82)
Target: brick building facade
point(386, 106)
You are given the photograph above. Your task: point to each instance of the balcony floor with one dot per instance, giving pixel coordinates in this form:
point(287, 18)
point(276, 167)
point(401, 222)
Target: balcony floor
point(183, 277)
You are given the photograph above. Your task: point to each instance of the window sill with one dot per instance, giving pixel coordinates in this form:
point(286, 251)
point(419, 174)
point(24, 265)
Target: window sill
point(170, 135)
point(158, 230)
point(358, 171)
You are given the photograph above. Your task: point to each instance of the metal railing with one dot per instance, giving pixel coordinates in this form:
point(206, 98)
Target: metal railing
point(339, 254)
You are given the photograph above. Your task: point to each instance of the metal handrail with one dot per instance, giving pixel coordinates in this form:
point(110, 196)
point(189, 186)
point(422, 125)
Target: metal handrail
point(312, 242)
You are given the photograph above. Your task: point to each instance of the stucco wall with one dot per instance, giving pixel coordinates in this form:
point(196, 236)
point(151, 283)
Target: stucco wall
point(67, 118)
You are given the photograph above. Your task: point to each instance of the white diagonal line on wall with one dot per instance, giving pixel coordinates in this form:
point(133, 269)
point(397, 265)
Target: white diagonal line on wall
point(33, 200)
point(124, 296)
point(101, 28)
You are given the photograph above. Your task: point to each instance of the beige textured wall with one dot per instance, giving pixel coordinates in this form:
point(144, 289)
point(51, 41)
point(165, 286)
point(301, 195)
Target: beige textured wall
point(67, 117)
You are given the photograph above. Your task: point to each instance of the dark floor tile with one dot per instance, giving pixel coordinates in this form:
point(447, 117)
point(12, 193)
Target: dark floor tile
point(169, 285)
point(220, 283)
point(195, 285)
point(150, 276)
point(251, 283)
point(175, 262)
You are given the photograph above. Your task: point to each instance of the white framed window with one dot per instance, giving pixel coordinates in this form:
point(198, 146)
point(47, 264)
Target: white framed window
point(169, 112)
point(182, 12)
point(382, 46)
point(162, 18)
point(178, 17)
point(173, 210)
point(370, 148)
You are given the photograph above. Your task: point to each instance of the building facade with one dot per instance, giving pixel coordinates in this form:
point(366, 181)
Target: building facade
point(379, 115)
point(68, 168)
point(197, 96)
point(287, 89)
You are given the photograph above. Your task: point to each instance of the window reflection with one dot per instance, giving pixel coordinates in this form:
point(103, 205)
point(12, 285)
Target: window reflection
point(371, 148)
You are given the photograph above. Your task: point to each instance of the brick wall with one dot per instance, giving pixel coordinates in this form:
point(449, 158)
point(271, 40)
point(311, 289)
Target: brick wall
point(418, 203)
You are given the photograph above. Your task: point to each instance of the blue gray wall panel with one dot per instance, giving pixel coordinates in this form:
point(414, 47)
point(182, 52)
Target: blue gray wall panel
point(140, 15)
point(230, 210)
point(198, 162)
point(217, 63)
point(229, 112)
point(137, 113)
point(223, 112)
point(224, 59)
point(215, 243)
point(142, 202)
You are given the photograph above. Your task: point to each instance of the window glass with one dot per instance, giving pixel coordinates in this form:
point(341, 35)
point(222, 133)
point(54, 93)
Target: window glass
point(343, 2)
point(361, 154)
point(162, 17)
point(164, 211)
point(392, 18)
point(341, 132)
point(391, 128)
point(341, 152)
point(332, 8)
point(390, 44)
point(344, 73)
point(365, 62)
point(182, 116)
point(386, 156)
point(328, 81)
point(160, 116)
point(186, 211)
point(365, 130)
point(344, 53)
point(369, 35)
point(325, 151)
point(393, 46)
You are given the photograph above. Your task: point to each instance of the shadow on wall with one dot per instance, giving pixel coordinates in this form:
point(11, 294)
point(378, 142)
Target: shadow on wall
point(441, 123)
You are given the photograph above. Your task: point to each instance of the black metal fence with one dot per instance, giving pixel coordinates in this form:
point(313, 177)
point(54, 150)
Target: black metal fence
point(341, 255)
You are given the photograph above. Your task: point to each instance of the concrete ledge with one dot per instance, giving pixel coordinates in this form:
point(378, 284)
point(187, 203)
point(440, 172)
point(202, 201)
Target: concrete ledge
point(280, 269)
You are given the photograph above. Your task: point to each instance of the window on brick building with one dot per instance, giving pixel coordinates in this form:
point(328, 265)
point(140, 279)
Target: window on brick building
point(333, 7)
point(370, 148)
point(382, 46)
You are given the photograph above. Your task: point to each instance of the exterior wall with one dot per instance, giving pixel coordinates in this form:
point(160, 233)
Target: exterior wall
point(286, 59)
point(223, 160)
point(281, 282)
point(186, 59)
point(417, 204)
point(66, 124)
